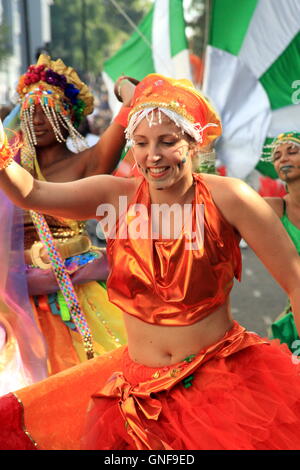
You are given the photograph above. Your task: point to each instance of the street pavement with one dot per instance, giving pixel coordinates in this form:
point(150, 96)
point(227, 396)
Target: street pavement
point(257, 300)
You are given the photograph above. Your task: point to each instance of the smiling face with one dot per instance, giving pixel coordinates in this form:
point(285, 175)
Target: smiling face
point(286, 159)
point(162, 152)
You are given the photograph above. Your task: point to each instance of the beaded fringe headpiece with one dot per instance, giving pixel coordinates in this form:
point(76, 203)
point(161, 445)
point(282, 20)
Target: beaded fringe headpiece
point(283, 138)
point(64, 98)
point(193, 129)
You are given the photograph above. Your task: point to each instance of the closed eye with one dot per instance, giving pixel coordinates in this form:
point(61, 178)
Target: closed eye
point(168, 144)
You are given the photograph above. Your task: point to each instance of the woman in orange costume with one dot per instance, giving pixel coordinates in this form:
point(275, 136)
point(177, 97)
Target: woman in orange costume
point(190, 377)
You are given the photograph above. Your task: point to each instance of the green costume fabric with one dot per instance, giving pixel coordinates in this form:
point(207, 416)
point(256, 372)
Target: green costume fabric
point(292, 230)
point(284, 327)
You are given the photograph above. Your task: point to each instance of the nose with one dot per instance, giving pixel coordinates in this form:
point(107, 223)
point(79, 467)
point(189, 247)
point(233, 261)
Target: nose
point(155, 158)
point(284, 156)
point(153, 154)
point(38, 117)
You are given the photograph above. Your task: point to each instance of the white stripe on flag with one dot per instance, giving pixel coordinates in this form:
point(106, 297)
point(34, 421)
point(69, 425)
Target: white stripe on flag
point(177, 66)
point(182, 66)
point(161, 48)
point(285, 119)
point(273, 25)
point(244, 108)
point(114, 104)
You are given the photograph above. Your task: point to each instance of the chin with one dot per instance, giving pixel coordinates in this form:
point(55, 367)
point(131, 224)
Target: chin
point(45, 142)
point(162, 182)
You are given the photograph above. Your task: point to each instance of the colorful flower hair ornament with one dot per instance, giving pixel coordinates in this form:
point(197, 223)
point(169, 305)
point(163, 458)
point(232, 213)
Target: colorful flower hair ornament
point(283, 138)
point(65, 80)
point(64, 98)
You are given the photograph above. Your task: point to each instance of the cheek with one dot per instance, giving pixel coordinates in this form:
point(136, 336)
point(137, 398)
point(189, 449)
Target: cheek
point(139, 157)
point(180, 155)
point(276, 165)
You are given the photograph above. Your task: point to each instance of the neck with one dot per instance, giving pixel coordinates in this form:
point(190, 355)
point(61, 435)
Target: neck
point(294, 193)
point(49, 155)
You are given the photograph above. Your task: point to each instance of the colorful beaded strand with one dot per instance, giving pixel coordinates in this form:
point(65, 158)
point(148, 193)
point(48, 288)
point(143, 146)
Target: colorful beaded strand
point(64, 281)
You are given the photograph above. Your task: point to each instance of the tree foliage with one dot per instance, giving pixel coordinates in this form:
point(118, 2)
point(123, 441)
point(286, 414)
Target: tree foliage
point(5, 50)
point(87, 32)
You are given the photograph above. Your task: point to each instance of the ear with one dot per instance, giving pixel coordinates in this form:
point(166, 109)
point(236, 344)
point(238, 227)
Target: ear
point(193, 149)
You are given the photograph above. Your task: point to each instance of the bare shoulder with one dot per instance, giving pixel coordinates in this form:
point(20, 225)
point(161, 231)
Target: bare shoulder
point(276, 203)
point(225, 189)
point(234, 198)
point(216, 182)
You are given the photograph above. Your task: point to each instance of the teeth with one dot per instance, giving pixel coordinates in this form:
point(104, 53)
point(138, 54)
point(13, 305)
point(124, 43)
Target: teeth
point(157, 170)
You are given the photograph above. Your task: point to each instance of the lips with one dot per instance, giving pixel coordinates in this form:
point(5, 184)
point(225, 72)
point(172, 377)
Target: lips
point(157, 172)
point(39, 131)
point(286, 167)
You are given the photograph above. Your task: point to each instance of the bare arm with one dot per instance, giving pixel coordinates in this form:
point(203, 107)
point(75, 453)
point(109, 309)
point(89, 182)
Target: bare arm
point(104, 157)
point(75, 200)
point(259, 225)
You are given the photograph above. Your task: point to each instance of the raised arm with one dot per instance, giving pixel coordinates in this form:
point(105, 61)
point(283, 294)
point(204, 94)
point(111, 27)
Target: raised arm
point(259, 225)
point(103, 157)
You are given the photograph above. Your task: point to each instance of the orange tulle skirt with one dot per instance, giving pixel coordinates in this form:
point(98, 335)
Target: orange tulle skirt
point(249, 400)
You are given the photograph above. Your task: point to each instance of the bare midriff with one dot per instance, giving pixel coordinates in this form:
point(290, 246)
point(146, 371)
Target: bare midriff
point(158, 346)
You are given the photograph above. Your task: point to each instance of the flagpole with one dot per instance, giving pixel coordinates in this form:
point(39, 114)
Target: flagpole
point(207, 22)
point(206, 34)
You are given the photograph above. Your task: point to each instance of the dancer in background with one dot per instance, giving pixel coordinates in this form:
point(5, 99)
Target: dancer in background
point(285, 155)
point(39, 335)
point(191, 377)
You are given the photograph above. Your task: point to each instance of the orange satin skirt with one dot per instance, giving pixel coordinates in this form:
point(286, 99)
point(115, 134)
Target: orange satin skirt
point(243, 393)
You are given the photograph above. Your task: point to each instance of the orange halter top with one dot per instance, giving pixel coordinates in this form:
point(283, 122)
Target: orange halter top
point(162, 282)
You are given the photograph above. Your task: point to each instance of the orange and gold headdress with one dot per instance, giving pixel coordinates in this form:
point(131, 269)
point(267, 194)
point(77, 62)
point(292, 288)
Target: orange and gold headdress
point(181, 102)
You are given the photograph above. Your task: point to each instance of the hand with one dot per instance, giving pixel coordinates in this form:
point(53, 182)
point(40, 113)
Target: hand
point(124, 89)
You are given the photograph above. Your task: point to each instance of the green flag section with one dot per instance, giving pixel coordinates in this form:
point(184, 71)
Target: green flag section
point(274, 80)
point(224, 21)
point(252, 76)
point(158, 45)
